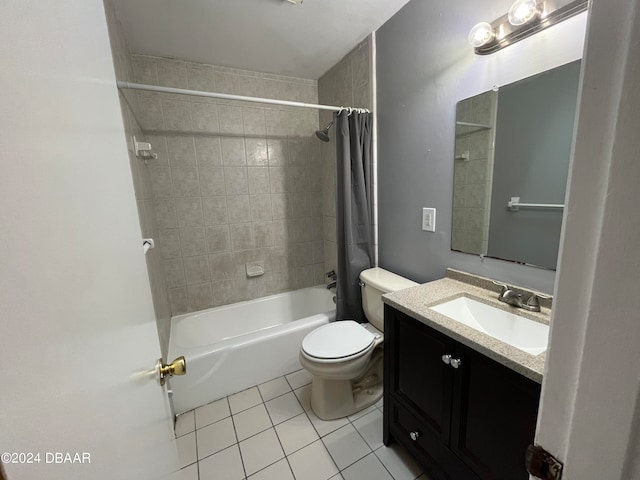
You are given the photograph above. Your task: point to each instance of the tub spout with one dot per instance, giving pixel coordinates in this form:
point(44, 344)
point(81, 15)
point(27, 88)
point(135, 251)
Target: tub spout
point(331, 285)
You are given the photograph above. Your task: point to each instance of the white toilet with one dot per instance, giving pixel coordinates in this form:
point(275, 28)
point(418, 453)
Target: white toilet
point(345, 357)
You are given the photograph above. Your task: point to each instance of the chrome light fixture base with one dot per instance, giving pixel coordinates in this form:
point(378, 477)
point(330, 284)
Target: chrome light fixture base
point(509, 34)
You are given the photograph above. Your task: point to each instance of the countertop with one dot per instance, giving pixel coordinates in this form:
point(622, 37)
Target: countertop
point(415, 302)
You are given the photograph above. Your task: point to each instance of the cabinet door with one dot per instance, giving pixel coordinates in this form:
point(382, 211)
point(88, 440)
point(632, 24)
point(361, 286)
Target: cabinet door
point(495, 420)
point(418, 377)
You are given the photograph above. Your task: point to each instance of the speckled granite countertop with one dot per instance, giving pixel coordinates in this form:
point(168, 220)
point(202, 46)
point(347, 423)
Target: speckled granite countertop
point(415, 302)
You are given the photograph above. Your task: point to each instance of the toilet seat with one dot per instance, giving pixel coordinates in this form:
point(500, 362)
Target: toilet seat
point(337, 341)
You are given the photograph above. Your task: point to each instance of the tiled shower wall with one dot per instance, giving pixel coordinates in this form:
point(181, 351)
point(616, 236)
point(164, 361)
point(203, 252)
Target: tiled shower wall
point(348, 83)
point(141, 180)
point(474, 175)
point(235, 183)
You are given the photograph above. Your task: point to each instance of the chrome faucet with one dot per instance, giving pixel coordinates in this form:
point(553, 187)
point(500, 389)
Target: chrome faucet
point(332, 276)
point(331, 285)
point(510, 297)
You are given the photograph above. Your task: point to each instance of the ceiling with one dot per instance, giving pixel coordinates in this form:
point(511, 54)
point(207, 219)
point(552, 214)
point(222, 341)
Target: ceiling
point(271, 36)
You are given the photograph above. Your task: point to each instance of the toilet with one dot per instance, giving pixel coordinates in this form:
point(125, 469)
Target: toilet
point(345, 357)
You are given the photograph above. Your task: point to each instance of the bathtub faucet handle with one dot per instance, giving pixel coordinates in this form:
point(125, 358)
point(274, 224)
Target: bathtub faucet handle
point(332, 275)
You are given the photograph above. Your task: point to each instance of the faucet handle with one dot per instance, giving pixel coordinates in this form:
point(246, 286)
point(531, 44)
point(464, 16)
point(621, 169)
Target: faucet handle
point(504, 286)
point(533, 301)
point(332, 275)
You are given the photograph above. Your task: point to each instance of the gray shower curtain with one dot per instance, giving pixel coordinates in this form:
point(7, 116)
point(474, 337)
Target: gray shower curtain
point(354, 234)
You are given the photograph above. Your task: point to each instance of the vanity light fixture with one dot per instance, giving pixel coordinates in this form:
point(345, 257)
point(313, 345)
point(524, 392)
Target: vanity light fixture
point(525, 18)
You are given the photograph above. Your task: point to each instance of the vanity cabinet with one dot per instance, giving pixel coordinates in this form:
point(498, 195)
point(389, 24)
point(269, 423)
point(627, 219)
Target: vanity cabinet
point(471, 418)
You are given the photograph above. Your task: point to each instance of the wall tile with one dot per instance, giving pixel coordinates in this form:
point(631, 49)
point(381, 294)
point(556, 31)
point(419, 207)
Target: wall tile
point(177, 115)
point(218, 239)
point(172, 73)
point(261, 207)
point(211, 181)
point(196, 269)
point(254, 122)
point(222, 267)
point(174, 273)
point(214, 210)
point(189, 210)
point(192, 240)
point(178, 300)
point(170, 243)
point(144, 70)
point(298, 180)
point(277, 152)
point(236, 182)
point(181, 151)
point(161, 183)
point(230, 120)
point(300, 205)
point(279, 206)
point(165, 210)
point(242, 236)
point(263, 234)
point(224, 292)
point(278, 179)
point(299, 149)
point(256, 150)
point(200, 77)
point(258, 180)
point(205, 117)
point(185, 181)
point(233, 152)
point(200, 296)
point(208, 151)
point(239, 209)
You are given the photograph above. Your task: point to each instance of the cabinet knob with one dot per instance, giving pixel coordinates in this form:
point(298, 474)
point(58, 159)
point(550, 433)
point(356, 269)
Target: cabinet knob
point(446, 359)
point(414, 435)
point(456, 362)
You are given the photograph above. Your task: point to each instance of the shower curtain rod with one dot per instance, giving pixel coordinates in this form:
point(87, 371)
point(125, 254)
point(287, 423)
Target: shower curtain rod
point(226, 96)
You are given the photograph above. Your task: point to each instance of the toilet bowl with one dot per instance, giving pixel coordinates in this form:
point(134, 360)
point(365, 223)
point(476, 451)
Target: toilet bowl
point(345, 357)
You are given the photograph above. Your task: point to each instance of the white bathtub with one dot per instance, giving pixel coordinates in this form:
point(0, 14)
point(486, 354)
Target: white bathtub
point(236, 346)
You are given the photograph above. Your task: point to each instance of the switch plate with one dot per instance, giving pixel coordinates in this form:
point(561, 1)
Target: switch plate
point(429, 219)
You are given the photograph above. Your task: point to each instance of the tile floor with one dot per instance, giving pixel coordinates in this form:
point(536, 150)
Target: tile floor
point(269, 432)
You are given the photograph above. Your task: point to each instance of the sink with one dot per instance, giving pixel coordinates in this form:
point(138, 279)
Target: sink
point(519, 332)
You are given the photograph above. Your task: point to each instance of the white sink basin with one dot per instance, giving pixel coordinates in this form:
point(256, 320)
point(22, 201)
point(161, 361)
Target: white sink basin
point(520, 332)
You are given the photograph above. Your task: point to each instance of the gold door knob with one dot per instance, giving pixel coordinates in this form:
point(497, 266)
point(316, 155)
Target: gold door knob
point(177, 367)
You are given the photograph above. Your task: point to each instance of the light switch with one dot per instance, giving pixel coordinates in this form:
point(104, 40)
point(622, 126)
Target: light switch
point(429, 219)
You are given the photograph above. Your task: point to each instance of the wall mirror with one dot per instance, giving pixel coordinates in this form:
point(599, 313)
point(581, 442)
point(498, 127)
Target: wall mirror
point(511, 165)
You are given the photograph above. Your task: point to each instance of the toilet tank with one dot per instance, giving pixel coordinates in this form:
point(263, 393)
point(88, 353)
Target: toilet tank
point(376, 282)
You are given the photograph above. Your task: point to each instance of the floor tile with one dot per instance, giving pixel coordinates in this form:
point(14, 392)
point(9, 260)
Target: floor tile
point(224, 465)
point(283, 408)
point(370, 427)
point(398, 461)
point(185, 423)
point(313, 462)
point(299, 379)
point(274, 388)
point(251, 421)
point(296, 433)
point(361, 413)
point(368, 468)
point(304, 396)
point(186, 445)
point(187, 473)
point(211, 413)
point(278, 471)
point(346, 446)
point(324, 427)
point(245, 399)
point(260, 451)
point(215, 437)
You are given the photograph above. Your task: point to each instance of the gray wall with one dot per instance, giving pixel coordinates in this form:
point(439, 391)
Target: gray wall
point(533, 145)
point(425, 66)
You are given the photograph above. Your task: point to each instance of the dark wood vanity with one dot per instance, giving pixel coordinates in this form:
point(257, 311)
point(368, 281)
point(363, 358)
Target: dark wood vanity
point(463, 417)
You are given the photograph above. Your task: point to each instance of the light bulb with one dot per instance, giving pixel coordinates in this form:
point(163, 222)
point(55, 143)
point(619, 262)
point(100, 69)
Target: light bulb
point(481, 34)
point(523, 11)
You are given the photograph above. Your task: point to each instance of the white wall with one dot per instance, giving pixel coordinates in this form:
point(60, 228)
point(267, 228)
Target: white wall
point(77, 329)
point(590, 409)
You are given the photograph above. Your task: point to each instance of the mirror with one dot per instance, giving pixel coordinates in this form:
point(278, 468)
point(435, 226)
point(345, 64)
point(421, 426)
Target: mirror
point(511, 165)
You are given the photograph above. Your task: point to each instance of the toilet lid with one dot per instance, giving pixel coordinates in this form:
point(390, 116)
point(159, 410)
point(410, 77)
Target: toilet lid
point(337, 340)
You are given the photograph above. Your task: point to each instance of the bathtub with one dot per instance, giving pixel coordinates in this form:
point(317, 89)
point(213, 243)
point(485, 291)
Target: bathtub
point(234, 347)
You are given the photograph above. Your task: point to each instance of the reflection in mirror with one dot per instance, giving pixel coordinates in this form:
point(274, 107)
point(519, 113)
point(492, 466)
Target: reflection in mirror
point(514, 142)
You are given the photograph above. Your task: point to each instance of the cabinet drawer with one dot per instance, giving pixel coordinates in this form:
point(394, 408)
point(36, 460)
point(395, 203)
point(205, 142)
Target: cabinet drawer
point(438, 460)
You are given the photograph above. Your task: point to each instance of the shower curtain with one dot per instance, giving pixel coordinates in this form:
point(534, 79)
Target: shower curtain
point(354, 190)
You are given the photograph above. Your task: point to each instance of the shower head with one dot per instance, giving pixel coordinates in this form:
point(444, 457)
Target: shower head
point(324, 133)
